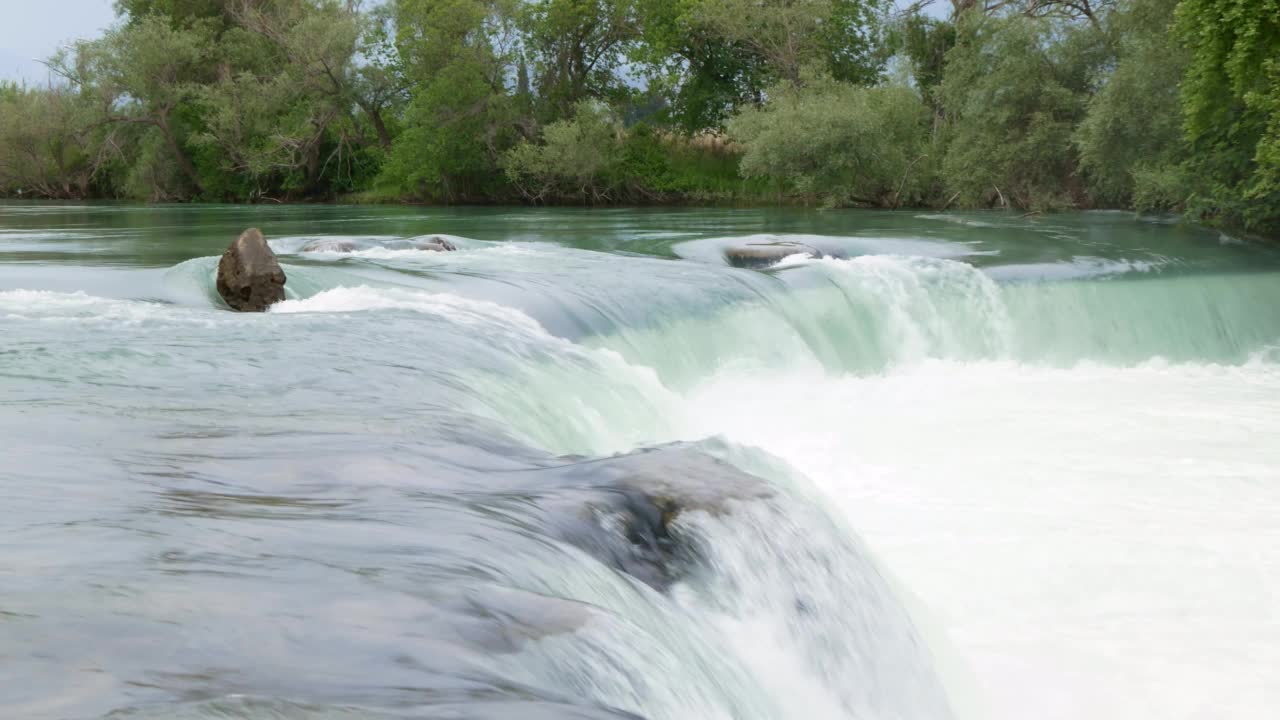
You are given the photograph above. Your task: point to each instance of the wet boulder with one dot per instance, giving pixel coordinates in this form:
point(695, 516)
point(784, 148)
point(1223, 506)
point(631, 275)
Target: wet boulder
point(498, 619)
point(250, 278)
point(329, 245)
point(523, 710)
point(434, 243)
point(761, 255)
point(627, 516)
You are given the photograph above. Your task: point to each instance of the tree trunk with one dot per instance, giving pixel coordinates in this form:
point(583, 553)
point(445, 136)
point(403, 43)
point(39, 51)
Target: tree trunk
point(384, 137)
point(312, 168)
point(184, 162)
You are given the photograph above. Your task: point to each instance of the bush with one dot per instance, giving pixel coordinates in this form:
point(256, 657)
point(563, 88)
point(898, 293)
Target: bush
point(46, 149)
point(577, 159)
point(840, 143)
point(592, 159)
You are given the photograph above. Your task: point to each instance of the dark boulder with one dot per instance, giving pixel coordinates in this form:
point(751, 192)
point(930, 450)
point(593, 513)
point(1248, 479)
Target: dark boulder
point(627, 519)
point(250, 278)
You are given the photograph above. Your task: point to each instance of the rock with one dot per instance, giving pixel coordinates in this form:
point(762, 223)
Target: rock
point(329, 246)
point(434, 243)
point(249, 276)
point(496, 619)
point(760, 255)
point(628, 518)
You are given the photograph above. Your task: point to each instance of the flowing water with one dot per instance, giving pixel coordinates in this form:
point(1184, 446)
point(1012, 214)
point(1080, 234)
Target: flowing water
point(983, 467)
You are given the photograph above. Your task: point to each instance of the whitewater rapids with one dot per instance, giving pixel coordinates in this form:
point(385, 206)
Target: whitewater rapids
point(1012, 469)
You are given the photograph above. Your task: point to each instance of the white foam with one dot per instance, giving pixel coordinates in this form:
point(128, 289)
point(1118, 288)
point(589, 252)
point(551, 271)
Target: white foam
point(1081, 266)
point(50, 306)
point(363, 298)
point(927, 307)
point(794, 260)
point(1098, 542)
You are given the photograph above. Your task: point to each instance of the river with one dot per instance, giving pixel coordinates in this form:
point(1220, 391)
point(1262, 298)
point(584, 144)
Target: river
point(983, 467)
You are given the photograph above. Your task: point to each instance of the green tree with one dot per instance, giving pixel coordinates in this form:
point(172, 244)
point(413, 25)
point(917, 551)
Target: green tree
point(143, 73)
point(841, 36)
point(48, 145)
point(379, 85)
point(1013, 92)
point(282, 111)
point(839, 142)
point(1130, 140)
point(179, 12)
point(1231, 98)
point(704, 76)
point(578, 47)
point(458, 55)
point(923, 42)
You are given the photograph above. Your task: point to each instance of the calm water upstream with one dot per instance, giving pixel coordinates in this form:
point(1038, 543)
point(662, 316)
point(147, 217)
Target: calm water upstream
point(986, 468)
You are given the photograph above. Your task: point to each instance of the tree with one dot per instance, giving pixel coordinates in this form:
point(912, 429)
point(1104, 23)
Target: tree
point(459, 55)
point(1013, 91)
point(1231, 99)
point(578, 47)
point(282, 107)
point(379, 85)
point(1013, 103)
point(1130, 139)
point(842, 143)
point(923, 42)
point(1091, 10)
point(576, 159)
point(704, 76)
point(179, 12)
point(141, 73)
point(48, 145)
point(838, 35)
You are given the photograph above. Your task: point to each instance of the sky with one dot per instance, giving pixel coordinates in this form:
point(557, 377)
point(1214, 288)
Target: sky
point(31, 30)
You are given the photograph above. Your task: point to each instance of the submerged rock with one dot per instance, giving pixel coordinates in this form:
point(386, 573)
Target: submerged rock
point(629, 520)
point(434, 243)
point(760, 255)
point(503, 620)
point(430, 243)
point(328, 245)
point(522, 710)
point(250, 278)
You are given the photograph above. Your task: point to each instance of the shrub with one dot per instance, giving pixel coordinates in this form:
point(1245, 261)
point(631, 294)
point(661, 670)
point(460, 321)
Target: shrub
point(577, 158)
point(840, 143)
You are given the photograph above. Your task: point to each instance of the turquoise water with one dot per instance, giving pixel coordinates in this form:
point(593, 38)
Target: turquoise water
point(979, 466)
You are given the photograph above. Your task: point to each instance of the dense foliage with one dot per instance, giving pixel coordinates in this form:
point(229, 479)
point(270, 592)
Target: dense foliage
point(1027, 104)
point(1231, 103)
point(842, 142)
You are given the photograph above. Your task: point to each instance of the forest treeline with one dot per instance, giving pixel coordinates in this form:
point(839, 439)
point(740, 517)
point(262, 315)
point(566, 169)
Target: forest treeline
point(1030, 104)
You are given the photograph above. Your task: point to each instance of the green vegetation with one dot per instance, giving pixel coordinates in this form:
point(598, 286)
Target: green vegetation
point(1024, 104)
point(1013, 91)
point(1231, 106)
point(844, 143)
